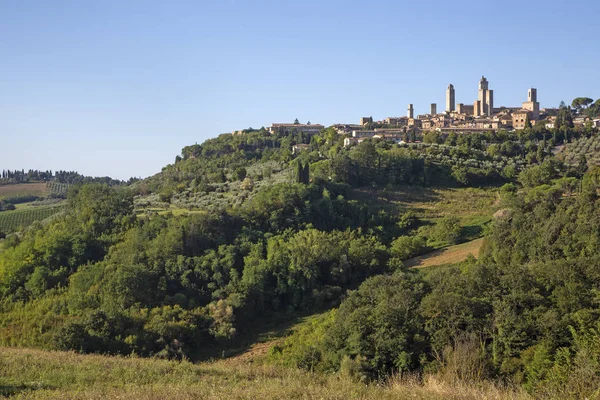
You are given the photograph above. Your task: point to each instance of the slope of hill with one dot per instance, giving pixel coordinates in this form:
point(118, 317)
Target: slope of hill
point(244, 228)
point(585, 149)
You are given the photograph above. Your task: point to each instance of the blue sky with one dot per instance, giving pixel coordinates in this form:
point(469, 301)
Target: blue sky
point(119, 87)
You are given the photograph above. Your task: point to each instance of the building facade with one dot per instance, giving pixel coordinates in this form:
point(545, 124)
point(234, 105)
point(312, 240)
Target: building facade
point(366, 120)
point(520, 119)
point(287, 128)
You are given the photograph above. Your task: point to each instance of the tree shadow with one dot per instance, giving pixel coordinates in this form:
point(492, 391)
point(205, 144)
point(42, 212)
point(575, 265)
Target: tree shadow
point(9, 390)
point(262, 330)
point(470, 232)
point(395, 196)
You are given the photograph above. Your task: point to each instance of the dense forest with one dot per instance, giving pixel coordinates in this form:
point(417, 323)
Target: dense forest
point(268, 231)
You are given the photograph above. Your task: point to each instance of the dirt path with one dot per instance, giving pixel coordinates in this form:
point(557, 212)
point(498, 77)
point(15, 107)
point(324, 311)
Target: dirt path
point(449, 255)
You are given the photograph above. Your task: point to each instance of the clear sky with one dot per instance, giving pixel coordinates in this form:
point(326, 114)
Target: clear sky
point(119, 87)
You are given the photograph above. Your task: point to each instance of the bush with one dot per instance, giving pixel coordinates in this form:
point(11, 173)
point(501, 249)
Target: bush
point(71, 336)
point(447, 230)
point(406, 247)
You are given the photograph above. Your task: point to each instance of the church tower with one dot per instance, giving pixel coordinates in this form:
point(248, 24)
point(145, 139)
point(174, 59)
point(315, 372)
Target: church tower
point(532, 104)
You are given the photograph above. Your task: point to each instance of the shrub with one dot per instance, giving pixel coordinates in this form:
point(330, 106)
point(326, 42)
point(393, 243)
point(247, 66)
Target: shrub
point(447, 230)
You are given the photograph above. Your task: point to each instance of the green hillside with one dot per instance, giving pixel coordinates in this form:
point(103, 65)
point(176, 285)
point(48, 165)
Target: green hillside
point(246, 230)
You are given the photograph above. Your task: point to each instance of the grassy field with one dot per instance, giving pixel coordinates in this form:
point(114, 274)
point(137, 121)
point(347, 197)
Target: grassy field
point(24, 189)
point(474, 207)
point(469, 204)
point(448, 255)
point(36, 374)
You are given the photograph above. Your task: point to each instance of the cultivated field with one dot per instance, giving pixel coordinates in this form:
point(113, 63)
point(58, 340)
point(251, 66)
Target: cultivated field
point(24, 189)
point(12, 221)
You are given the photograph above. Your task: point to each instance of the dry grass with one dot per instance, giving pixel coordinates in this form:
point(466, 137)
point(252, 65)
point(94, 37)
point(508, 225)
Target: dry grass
point(36, 374)
point(438, 388)
point(448, 255)
point(19, 189)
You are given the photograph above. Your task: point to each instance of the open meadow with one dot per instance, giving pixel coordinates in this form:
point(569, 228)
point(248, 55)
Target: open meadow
point(36, 374)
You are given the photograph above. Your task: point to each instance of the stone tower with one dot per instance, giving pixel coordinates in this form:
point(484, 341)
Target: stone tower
point(433, 109)
point(411, 112)
point(486, 97)
point(450, 99)
point(489, 102)
point(532, 104)
point(532, 95)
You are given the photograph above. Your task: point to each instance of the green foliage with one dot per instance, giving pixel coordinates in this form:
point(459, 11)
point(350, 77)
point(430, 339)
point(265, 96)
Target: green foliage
point(302, 172)
point(98, 279)
point(538, 174)
point(581, 102)
point(381, 323)
point(306, 347)
point(526, 311)
point(239, 174)
point(405, 247)
point(447, 230)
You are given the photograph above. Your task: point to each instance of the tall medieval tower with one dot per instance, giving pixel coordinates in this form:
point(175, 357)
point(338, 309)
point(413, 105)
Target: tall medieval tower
point(485, 97)
point(450, 99)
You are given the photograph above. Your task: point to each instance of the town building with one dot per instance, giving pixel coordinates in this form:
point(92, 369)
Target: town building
point(414, 123)
point(363, 134)
point(478, 117)
point(581, 120)
point(366, 120)
point(532, 104)
point(346, 129)
point(466, 110)
point(521, 118)
point(390, 130)
point(310, 129)
point(396, 121)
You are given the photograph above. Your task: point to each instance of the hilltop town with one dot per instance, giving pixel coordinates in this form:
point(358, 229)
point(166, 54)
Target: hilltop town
point(481, 116)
